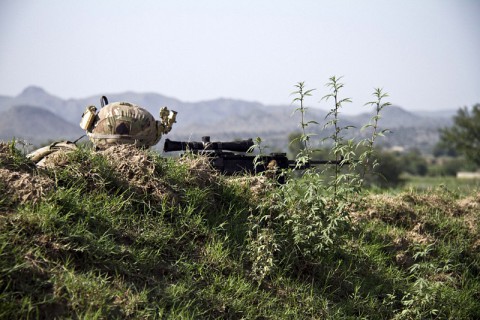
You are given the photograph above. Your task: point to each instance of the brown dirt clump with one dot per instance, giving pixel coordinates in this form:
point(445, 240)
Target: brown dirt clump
point(19, 179)
point(25, 187)
point(471, 208)
point(258, 185)
point(200, 171)
point(389, 209)
point(434, 200)
point(133, 163)
point(409, 210)
point(419, 235)
point(471, 203)
point(412, 214)
point(135, 168)
point(55, 160)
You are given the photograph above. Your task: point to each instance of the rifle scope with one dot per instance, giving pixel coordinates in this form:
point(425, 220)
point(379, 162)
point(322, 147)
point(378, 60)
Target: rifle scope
point(238, 146)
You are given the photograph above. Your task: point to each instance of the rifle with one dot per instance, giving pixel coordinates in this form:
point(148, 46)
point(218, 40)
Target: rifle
point(229, 162)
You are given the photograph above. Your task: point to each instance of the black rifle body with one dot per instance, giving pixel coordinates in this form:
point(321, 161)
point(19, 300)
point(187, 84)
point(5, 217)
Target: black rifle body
point(229, 163)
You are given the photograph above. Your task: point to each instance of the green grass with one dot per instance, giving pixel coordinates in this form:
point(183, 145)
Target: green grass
point(419, 183)
point(102, 244)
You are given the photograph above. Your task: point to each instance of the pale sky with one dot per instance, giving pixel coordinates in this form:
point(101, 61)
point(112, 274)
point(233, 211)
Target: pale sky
point(424, 53)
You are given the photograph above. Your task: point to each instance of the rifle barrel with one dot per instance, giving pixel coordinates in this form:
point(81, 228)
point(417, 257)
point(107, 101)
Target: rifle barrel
point(293, 163)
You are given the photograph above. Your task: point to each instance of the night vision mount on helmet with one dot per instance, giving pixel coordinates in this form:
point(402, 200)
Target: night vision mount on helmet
point(125, 123)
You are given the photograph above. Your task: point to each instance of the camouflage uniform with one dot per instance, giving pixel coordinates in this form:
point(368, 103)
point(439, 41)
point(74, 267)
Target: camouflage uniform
point(46, 157)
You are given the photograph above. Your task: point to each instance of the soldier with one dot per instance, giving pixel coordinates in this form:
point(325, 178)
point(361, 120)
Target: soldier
point(116, 123)
point(125, 123)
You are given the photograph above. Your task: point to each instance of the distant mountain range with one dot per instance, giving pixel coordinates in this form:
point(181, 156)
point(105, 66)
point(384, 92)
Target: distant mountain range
point(37, 116)
point(35, 125)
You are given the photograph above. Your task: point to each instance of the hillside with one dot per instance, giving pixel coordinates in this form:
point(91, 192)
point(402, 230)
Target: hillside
point(227, 119)
point(126, 234)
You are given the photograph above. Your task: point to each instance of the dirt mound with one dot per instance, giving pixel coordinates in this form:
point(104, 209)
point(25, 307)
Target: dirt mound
point(127, 166)
point(390, 209)
point(24, 187)
point(200, 171)
point(470, 203)
point(19, 179)
point(414, 215)
point(12, 159)
point(258, 185)
point(136, 168)
point(471, 207)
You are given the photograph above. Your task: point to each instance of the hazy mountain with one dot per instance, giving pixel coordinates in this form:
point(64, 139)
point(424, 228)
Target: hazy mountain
point(446, 114)
point(36, 125)
point(395, 117)
point(222, 119)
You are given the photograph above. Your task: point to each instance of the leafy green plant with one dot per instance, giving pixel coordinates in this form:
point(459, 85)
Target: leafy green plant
point(258, 159)
point(343, 182)
point(304, 218)
point(367, 159)
point(305, 154)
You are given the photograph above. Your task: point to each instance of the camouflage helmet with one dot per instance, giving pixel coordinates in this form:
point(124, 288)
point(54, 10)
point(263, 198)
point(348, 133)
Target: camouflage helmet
point(125, 123)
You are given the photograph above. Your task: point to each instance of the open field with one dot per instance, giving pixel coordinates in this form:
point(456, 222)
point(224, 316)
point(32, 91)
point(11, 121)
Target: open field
point(464, 186)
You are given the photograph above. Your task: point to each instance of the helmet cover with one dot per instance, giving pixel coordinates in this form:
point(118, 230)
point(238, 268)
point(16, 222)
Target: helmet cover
point(124, 123)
